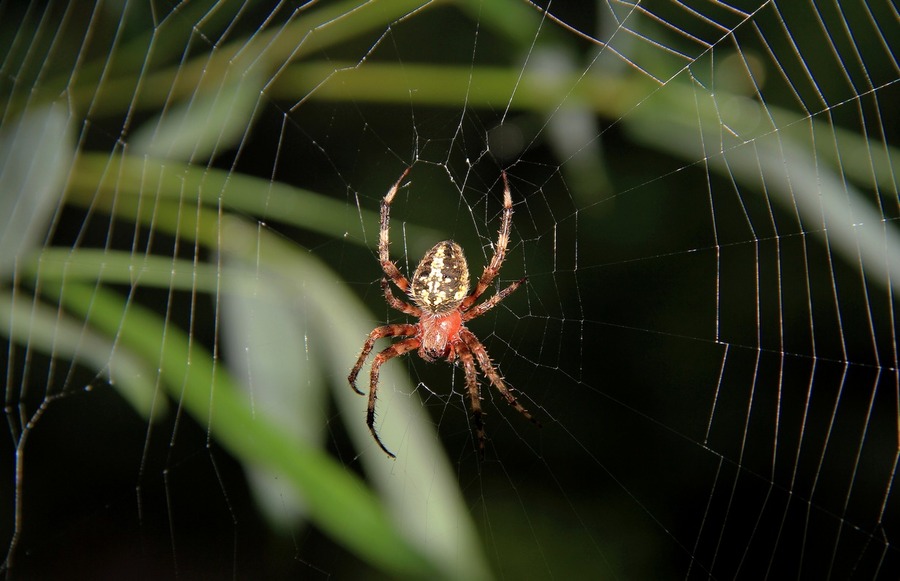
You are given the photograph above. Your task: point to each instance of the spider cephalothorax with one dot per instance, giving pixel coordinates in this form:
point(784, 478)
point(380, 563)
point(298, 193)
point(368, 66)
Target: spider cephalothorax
point(443, 303)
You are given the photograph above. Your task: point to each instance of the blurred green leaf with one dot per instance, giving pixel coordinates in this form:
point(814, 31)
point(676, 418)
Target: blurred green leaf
point(257, 266)
point(35, 156)
point(428, 506)
point(36, 325)
point(197, 129)
point(338, 502)
point(120, 183)
point(265, 339)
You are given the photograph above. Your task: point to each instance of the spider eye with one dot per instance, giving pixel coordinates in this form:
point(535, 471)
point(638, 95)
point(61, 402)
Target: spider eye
point(441, 280)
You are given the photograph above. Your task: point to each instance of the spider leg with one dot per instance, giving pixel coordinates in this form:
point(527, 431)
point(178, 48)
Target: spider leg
point(492, 302)
point(474, 394)
point(395, 350)
point(484, 361)
point(378, 333)
point(396, 303)
point(384, 240)
point(491, 270)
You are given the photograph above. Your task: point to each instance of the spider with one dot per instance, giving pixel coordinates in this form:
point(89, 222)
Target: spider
point(442, 302)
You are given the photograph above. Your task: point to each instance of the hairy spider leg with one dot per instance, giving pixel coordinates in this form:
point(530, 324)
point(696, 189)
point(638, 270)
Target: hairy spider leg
point(474, 395)
point(492, 302)
point(395, 350)
point(380, 332)
point(493, 268)
point(396, 303)
point(384, 240)
point(484, 361)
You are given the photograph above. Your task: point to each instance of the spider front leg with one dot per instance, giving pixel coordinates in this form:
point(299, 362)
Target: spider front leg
point(396, 303)
point(492, 302)
point(395, 350)
point(493, 268)
point(384, 237)
point(380, 332)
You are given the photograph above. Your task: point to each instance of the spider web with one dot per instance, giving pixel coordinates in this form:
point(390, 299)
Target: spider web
point(705, 206)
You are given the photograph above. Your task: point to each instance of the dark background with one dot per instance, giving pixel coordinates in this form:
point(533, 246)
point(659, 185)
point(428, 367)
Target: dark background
point(718, 394)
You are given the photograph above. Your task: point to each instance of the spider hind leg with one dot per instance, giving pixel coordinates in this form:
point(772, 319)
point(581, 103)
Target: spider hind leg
point(474, 395)
point(395, 350)
point(484, 361)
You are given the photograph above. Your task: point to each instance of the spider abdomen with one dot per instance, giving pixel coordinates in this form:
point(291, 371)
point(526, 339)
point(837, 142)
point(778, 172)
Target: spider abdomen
point(441, 280)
